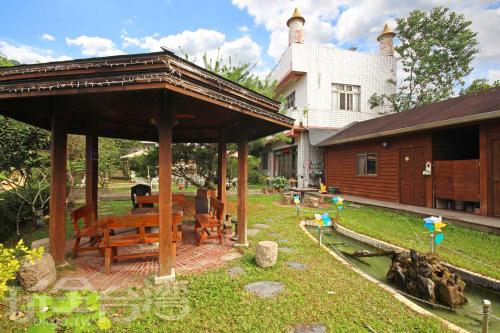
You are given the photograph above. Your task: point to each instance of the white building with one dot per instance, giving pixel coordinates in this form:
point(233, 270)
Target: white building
point(326, 88)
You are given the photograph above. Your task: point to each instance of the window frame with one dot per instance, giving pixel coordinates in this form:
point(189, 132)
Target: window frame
point(346, 95)
point(364, 172)
point(290, 100)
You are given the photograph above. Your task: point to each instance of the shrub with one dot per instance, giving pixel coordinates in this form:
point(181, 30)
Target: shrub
point(279, 182)
point(11, 259)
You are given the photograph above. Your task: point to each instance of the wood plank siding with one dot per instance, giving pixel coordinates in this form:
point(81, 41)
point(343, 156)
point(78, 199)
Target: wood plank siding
point(385, 185)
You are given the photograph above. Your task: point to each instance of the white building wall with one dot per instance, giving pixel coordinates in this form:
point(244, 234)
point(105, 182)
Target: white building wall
point(323, 66)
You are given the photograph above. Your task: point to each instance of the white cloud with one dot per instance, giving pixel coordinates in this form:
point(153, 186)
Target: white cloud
point(494, 75)
point(198, 42)
point(48, 37)
point(27, 54)
point(358, 22)
point(95, 46)
point(243, 29)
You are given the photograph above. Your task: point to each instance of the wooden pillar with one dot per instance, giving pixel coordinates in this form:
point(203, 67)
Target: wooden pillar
point(483, 170)
point(57, 225)
point(91, 171)
point(221, 170)
point(166, 257)
point(242, 183)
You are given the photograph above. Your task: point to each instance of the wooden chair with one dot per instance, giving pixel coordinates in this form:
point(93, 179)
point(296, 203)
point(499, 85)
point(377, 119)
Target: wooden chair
point(213, 219)
point(148, 200)
point(85, 228)
point(110, 241)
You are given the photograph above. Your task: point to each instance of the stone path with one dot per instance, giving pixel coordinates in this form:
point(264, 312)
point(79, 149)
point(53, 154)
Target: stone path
point(310, 329)
point(296, 265)
point(285, 249)
point(253, 232)
point(283, 241)
point(236, 271)
point(274, 234)
point(261, 226)
point(265, 289)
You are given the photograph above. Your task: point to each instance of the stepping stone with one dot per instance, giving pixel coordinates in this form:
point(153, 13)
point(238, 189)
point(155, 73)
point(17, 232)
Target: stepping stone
point(296, 265)
point(231, 256)
point(265, 289)
point(236, 271)
point(310, 329)
point(285, 249)
point(283, 241)
point(274, 234)
point(261, 226)
point(253, 232)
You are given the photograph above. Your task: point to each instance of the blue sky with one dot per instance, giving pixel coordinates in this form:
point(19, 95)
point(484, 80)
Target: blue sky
point(245, 30)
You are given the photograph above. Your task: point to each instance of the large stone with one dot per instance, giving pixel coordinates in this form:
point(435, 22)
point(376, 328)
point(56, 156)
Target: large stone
point(266, 254)
point(39, 275)
point(310, 201)
point(264, 289)
point(423, 276)
point(44, 242)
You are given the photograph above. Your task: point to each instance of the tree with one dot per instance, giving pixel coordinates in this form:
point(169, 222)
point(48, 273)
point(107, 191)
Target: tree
point(479, 85)
point(190, 160)
point(436, 51)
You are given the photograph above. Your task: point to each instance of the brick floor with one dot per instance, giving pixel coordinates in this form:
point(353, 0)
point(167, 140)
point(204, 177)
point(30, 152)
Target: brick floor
point(89, 266)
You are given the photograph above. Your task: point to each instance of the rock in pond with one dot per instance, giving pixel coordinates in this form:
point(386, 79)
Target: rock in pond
point(423, 276)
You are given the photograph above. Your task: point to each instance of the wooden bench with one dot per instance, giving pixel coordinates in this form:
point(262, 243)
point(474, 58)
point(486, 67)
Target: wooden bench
point(214, 219)
point(84, 225)
point(111, 240)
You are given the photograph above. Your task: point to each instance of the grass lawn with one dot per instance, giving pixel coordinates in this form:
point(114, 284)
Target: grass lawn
point(325, 293)
point(464, 247)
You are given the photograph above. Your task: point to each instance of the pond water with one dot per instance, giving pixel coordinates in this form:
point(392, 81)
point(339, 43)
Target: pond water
point(467, 316)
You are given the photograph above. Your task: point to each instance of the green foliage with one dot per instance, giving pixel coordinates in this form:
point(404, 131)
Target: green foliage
point(11, 259)
point(241, 74)
point(479, 85)
point(279, 182)
point(436, 51)
point(4, 62)
point(76, 311)
point(22, 147)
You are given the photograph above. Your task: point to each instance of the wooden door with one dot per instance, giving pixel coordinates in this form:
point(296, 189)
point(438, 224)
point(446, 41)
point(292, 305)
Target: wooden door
point(412, 182)
point(495, 165)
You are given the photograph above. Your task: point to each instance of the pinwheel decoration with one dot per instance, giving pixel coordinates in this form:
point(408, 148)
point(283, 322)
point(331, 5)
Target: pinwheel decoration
point(322, 220)
point(339, 203)
point(296, 201)
point(434, 226)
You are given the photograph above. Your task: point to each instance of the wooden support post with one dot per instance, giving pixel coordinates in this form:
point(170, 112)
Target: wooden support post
point(221, 170)
point(165, 121)
point(57, 225)
point(91, 171)
point(242, 184)
point(484, 208)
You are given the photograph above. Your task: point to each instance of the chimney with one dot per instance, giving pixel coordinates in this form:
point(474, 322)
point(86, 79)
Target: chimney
point(296, 28)
point(385, 40)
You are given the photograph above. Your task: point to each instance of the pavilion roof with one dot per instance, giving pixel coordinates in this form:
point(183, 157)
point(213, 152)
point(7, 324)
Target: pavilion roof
point(119, 94)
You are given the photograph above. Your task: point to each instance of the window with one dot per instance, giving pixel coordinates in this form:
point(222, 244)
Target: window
point(366, 164)
point(345, 97)
point(290, 101)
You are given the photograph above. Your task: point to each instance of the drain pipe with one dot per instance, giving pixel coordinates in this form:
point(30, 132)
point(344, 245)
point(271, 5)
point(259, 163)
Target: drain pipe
point(486, 314)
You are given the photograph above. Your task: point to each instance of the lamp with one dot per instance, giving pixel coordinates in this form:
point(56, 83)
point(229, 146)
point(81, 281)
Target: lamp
point(385, 144)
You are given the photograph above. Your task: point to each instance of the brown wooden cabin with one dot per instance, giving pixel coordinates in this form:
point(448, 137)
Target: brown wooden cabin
point(385, 158)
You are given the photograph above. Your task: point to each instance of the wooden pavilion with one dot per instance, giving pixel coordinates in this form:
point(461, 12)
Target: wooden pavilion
point(154, 96)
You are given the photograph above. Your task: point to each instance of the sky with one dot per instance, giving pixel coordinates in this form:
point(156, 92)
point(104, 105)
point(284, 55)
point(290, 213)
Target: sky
point(244, 31)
